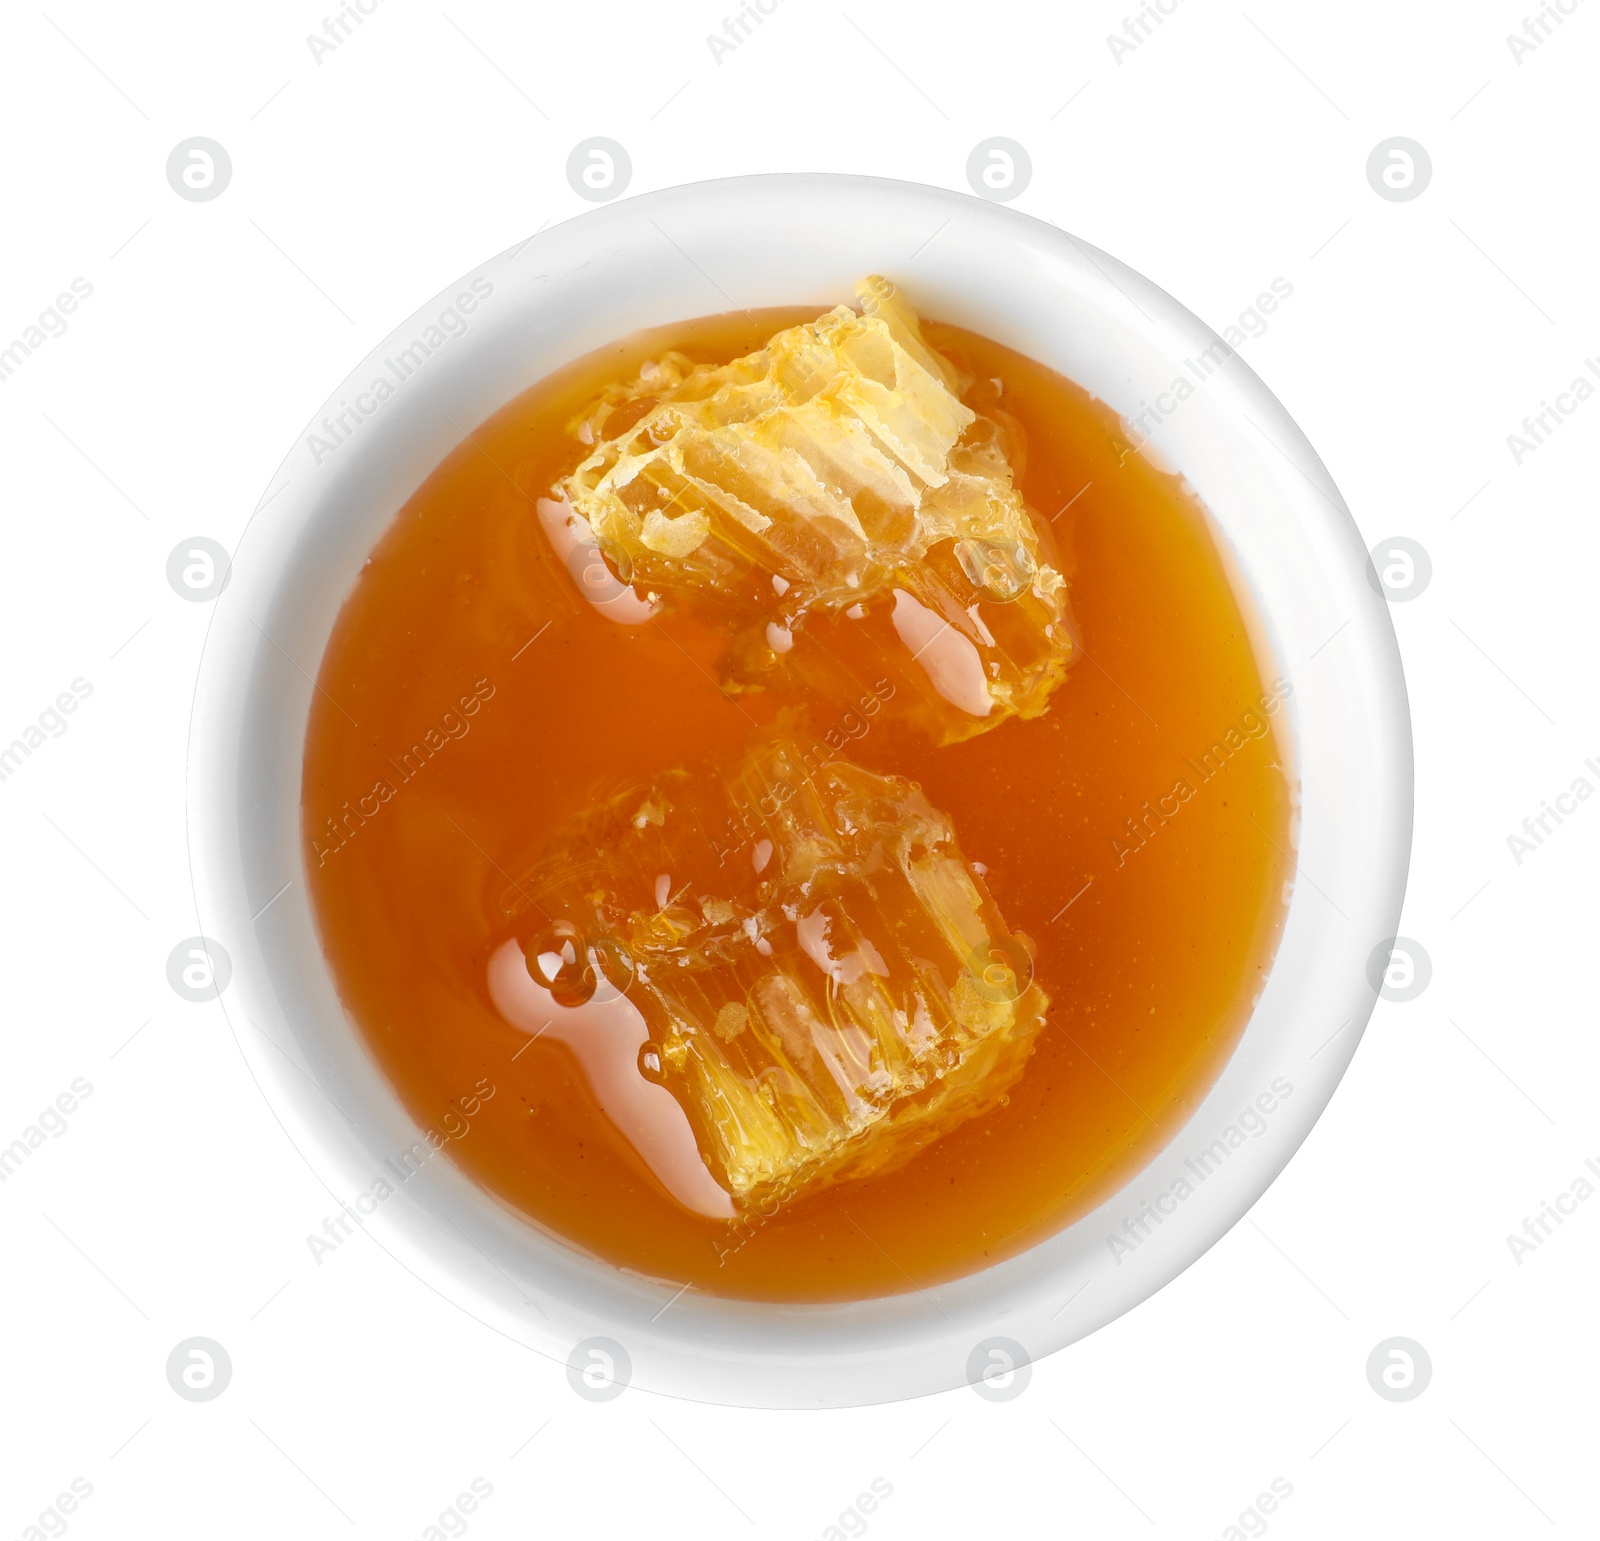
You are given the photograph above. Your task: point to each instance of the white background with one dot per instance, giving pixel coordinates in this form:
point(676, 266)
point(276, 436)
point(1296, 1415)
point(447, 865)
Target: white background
point(1227, 149)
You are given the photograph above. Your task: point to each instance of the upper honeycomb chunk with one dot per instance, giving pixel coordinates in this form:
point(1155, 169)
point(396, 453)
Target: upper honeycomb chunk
point(830, 497)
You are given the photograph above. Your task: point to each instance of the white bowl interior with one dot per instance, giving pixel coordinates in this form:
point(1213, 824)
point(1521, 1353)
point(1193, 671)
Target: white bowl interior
point(784, 240)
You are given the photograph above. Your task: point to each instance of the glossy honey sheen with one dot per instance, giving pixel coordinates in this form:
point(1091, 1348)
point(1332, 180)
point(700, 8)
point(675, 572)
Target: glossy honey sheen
point(470, 702)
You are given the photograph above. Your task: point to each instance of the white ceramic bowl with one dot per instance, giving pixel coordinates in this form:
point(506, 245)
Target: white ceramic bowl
point(784, 240)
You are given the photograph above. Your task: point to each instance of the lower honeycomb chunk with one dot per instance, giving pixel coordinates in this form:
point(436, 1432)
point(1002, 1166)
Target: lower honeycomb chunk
point(827, 984)
point(830, 496)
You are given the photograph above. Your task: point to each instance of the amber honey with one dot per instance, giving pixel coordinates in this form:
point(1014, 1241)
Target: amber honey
point(470, 703)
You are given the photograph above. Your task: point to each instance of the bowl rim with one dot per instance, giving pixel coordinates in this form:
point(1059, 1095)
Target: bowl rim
point(316, 507)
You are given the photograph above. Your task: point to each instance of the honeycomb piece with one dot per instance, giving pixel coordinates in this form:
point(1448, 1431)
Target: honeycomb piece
point(833, 473)
point(827, 984)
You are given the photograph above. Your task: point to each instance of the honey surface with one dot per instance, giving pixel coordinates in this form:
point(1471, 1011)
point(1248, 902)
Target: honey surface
point(470, 703)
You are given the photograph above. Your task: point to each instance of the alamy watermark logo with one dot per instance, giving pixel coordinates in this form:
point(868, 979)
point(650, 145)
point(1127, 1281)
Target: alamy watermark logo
point(999, 170)
point(198, 969)
point(199, 1369)
point(999, 1369)
point(199, 170)
point(599, 170)
point(1399, 569)
point(599, 1369)
point(1399, 170)
point(198, 568)
point(1000, 969)
point(1399, 1369)
point(1399, 969)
